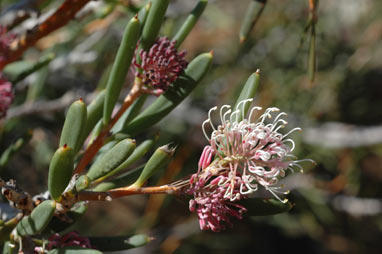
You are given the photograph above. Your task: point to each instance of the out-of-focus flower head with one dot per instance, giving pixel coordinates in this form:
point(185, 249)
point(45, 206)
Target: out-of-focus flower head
point(69, 239)
point(5, 40)
point(6, 95)
point(248, 154)
point(160, 66)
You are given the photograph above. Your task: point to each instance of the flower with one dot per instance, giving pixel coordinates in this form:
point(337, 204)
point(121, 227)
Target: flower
point(213, 209)
point(6, 95)
point(160, 66)
point(248, 154)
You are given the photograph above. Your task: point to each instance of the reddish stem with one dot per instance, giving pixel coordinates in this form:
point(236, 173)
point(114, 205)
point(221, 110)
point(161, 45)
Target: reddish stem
point(125, 191)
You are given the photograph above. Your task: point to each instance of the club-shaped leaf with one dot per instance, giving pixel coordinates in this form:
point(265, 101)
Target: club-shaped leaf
point(190, 22)
point(74, 250)
point(37, 220)
point(153, 23)
point(251, 17)
point(123, 180)
point(157, 161)
point(74, 125)
point(94, 114)
point(120, 67)
point(138, 153)
point(248, 92)
point(58, 225)
point(60, 171)
point(111, 159)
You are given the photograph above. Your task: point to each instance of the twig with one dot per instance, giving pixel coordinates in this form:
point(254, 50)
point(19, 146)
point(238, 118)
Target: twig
point(125, 191)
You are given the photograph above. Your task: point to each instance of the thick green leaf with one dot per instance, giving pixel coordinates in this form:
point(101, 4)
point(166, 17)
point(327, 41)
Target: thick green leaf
point(138, 153)
point(157, 161)
point(58, 225)
point(123, 180)
point(60, 171)
point(143, 13)
point(82, 183)
point(120, 67)
point(153, 23)
point(74, 125)
point(190, 22)
point(129, 114)
point(36, 222)
point(74, 250)
point(94, 114)
point(17, 71)
point(248, 92)
point(251, 17)
point(112, 159)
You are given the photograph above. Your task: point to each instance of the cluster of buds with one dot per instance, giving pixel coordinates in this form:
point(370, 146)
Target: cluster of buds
point(6, 95)
point(160, 66)
point(248, 154)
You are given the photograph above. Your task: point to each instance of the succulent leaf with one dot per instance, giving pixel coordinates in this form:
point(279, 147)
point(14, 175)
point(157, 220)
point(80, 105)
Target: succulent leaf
point(120, 67)
point(36, 222)
point(111, 159)
point(60, 171)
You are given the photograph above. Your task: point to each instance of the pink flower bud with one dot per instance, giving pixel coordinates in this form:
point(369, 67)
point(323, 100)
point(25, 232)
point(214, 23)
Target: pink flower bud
point(160, 66)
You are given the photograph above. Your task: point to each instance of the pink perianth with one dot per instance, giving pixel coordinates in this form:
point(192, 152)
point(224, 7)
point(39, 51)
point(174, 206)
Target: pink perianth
point(205, 158)
point(212, 207)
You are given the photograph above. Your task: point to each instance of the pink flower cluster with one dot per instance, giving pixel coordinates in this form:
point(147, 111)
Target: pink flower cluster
point(248, 154)
point(160, 66)
point(67, 240)
point(6, 95)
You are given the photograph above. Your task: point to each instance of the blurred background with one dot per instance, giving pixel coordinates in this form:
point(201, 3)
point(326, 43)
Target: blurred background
point(338, 205)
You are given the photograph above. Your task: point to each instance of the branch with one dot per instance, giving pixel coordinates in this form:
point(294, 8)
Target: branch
point(122, 192)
